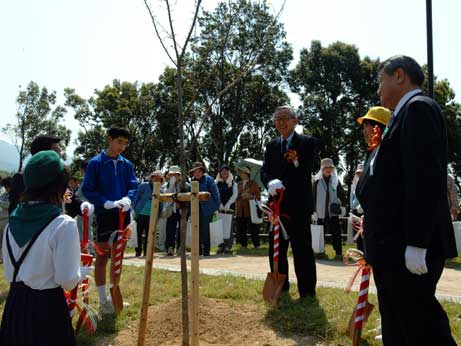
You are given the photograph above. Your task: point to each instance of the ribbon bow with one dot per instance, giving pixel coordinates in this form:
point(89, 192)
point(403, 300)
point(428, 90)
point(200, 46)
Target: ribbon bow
point(273, 212)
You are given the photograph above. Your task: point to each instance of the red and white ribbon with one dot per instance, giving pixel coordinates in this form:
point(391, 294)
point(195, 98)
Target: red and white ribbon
point(276, 241)
point(363, 298)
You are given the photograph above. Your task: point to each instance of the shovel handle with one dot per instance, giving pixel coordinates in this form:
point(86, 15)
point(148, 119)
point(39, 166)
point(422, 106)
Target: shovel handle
point(85, 226)
point(276, 248)
point(121, 219)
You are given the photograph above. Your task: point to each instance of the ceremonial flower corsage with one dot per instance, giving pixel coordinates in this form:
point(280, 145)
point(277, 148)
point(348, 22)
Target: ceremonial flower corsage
point(292, 157)
point(376, 137)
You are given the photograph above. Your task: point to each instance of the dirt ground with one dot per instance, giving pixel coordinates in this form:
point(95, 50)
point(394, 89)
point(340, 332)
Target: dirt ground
point(220, 325)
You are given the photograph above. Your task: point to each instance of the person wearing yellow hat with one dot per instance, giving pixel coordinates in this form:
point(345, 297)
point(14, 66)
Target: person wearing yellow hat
point(376, 116)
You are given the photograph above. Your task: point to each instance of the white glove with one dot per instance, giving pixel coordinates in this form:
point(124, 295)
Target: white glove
point(275, 185)
point(86, 271)
point(415, 260)
point(125, 203)
point(112, 205)
point(315, 217)
point(89, 206)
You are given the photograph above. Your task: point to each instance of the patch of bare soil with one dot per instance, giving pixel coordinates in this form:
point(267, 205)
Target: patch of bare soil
point(220, 325)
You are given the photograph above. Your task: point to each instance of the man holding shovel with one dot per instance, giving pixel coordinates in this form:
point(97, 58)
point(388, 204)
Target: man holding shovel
point(110, 184)
point(287, 166)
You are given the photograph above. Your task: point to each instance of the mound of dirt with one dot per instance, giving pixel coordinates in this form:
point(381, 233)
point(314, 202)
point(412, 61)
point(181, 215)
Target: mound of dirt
point(220, 325)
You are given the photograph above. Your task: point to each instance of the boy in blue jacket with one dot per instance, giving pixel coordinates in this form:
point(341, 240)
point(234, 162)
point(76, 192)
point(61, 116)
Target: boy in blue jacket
point(110, 184)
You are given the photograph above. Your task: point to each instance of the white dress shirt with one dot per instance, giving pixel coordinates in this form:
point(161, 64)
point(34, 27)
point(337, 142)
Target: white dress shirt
point(404, 100)
point(54, 259)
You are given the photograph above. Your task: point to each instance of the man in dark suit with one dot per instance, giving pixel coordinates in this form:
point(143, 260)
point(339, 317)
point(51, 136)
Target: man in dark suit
point(288, 162)
point(407, 227)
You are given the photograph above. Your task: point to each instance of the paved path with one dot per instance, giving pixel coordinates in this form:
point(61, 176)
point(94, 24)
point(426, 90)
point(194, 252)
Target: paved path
point(329, 273)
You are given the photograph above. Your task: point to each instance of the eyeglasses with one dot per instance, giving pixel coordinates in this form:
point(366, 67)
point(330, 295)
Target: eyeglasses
point(282, 119)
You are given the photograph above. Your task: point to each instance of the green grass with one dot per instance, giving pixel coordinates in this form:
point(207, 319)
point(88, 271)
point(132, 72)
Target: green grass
point(325, 317)
point(263, 250)
point(454, 263)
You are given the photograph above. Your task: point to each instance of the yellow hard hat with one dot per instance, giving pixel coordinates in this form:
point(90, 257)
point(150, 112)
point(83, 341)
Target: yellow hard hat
point(378, 114)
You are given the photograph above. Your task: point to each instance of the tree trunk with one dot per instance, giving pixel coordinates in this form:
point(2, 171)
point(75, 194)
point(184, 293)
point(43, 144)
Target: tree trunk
point(184, 288)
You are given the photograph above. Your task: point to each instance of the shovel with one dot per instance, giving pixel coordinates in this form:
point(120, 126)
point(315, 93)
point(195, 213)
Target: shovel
point(87, 260)
point(352, 332)
point(116, 265)
point(275, 281)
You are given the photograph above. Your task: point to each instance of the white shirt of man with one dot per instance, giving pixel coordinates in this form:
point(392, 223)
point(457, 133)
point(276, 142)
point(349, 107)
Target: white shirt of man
point(53, 260)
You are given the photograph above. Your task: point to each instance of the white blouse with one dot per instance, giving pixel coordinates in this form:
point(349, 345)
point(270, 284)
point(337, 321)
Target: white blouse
point(54, 259)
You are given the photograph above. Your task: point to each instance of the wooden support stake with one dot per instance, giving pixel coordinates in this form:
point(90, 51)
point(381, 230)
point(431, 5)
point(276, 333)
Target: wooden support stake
point(195, 275)
point(152, 235)
point(183, 197)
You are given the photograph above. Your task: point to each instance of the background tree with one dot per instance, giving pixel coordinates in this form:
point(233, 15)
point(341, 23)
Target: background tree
point(242, 58)
point(445, 96)
point(336, 86)
point(132, 105)
point(36, 114)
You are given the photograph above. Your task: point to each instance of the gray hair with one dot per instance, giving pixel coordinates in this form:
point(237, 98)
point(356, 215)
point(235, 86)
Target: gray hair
point(286, 108)
point(407, 64)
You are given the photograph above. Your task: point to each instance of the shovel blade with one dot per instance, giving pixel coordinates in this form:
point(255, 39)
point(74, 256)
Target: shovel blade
point(351, 329)
point(117, 299)
point(273, 287)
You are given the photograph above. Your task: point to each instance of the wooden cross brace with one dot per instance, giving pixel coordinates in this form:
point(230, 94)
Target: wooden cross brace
point(194, 197)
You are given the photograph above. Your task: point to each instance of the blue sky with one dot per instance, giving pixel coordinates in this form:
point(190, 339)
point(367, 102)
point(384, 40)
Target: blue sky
point(86, 44)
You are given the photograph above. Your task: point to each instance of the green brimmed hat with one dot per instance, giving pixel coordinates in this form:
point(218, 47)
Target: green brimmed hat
point(42, 169)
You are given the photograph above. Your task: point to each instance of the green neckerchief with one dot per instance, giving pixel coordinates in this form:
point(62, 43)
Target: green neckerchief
point(30, 218)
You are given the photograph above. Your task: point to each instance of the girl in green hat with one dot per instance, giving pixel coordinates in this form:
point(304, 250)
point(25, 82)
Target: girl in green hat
point(41, 255)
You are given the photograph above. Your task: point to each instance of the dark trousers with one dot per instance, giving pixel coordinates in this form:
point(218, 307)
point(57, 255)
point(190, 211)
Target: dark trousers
point(204, 234)
point(245, 226)
point(331, 226)
point(172, 230)
point(299, 231)
point(143, 231)
point(410, 313)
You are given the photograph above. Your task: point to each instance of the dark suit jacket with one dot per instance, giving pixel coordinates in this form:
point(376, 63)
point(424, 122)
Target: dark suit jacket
point(405, 200)
point(297, 199)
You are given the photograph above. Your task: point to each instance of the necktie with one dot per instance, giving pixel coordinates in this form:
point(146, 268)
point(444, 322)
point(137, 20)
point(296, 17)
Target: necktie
point(284, 146)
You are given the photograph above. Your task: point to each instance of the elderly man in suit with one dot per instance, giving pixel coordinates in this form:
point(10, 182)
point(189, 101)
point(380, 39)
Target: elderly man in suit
point(288, 162)
point(407, 225)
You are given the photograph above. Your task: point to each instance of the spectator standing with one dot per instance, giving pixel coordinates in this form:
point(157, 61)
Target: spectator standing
point(328, 194)
point(142, 207)
point(228, 192)
point(453, 201)
point(207, 208)
point(247, 190)
point(172, 210)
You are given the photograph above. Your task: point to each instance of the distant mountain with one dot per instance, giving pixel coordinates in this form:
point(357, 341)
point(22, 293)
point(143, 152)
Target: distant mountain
point(9, 157)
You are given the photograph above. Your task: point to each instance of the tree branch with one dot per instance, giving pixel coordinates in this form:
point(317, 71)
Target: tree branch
point(186, 42)
point(154, 22)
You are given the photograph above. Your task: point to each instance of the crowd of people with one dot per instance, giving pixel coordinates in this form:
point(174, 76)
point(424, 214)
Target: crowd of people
point(405, 240)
